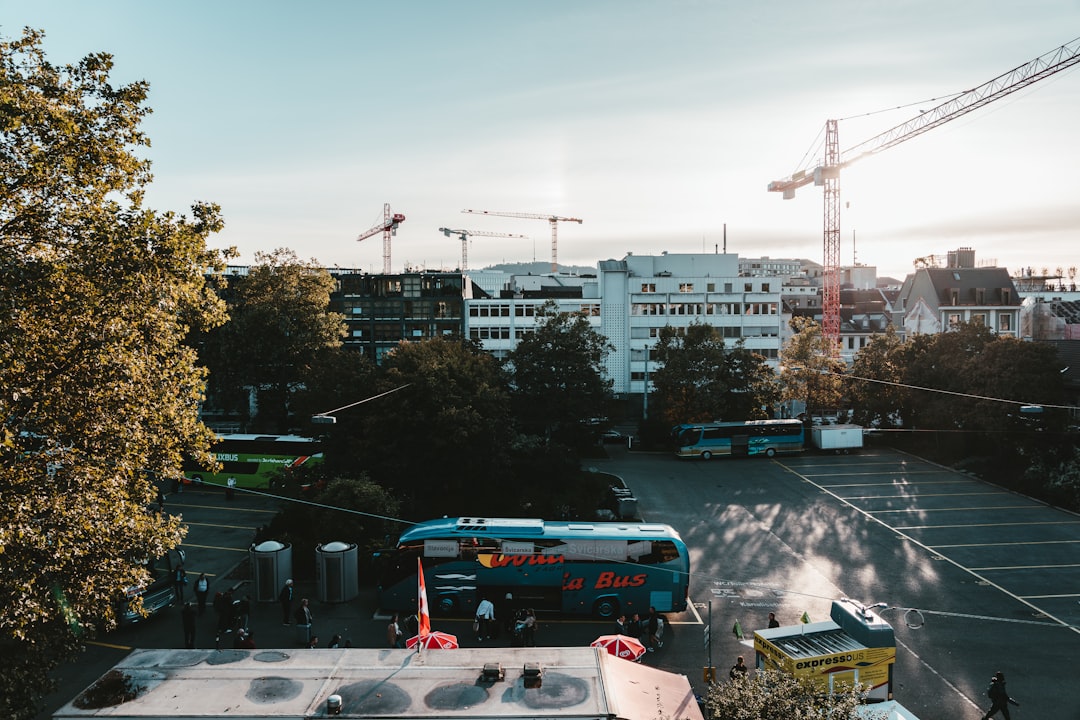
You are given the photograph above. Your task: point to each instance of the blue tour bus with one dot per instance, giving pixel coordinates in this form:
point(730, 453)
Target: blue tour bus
point(752, 437)
point(602, 568)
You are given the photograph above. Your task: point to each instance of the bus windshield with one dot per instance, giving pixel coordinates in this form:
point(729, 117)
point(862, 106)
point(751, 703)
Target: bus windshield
point(753, 437)
point(254, 459)
point(600, 568)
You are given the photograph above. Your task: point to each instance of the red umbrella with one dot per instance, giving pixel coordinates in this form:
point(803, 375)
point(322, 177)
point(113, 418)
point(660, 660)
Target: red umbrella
point(434, 640)
point(623, 646)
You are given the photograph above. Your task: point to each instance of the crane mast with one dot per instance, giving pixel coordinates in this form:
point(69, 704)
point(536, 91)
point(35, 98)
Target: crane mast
point(466, 234)
point(827, 174)
point(553, 219)
point(388, 227)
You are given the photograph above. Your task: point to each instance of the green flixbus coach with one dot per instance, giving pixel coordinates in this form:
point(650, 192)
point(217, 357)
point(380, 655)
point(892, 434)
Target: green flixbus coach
point(253, 460)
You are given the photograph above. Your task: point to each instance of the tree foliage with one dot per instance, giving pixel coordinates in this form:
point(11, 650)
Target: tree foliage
point(441, 442)
point(558, 377)
point(772, 695)
point(699, 379)
point(812, 373)
point(100, 395)
point(877, 395)
point(279, 325)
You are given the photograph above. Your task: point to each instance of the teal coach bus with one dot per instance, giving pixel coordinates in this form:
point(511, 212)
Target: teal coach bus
point(752, 437)
point(602, 569)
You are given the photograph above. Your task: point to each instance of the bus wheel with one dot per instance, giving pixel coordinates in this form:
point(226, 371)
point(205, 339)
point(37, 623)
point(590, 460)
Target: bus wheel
point(606, 608)
point(446, 605)
point(771, 452)
point(706, 455)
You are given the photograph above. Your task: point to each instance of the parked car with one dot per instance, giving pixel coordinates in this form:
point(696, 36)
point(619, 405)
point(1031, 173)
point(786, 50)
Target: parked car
point(610, 436)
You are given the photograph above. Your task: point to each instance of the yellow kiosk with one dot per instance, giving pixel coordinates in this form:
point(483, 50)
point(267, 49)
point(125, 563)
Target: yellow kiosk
point(855, 646)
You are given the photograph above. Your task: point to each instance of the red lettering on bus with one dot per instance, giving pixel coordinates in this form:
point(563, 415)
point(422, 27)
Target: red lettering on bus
point(609, 579)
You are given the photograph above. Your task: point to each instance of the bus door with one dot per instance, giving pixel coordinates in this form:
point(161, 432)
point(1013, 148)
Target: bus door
point(740, 445)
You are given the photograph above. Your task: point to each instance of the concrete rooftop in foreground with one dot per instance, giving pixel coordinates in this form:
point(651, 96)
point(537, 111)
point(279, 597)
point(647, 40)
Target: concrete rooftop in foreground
point(390, 683)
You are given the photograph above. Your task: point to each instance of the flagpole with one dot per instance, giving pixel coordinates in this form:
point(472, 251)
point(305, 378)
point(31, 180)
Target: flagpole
point(423, 628)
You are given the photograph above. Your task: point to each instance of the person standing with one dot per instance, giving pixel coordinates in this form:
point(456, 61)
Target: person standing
point(285, 598)
point(634, 627)
point(999, 697)
point(529, 631)
point(188, 615)
point(230, 488)
point(485, 614)
point(620, 626)
point(652, 626)
point(243, 611)
point(395, 636)
point(303, 620)
point(773, 622)
point(202, 589)
point(739, 669)
point(179, 581)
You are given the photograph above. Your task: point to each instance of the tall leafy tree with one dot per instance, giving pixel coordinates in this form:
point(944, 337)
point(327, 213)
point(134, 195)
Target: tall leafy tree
point(279, 325)
point(774, 695)
point(442, 441)
point(558, 377)
point(877, 394)
point(812, 373)
point(100, 395)
point(700, 379)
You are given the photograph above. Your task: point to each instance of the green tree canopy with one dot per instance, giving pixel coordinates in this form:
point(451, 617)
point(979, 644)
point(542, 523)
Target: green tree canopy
point(879, 397)
point(811, 372)
point(700, 379)
point(279, 325)
point(100, 395)
point(442, 442)
point(772, 695)
point(558, 379)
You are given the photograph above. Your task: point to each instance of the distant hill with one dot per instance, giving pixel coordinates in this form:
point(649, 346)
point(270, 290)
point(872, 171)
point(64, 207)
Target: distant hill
point(540, 268)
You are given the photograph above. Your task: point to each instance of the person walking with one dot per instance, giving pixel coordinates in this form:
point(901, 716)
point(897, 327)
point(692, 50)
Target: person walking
point(188, 615)
point(620, 626)
point(739, 669)
point(485, 614)
point(179, 581)
point(202, 589)
point(773, 622)
point(634, 627)
point(285, 597)
point(999, 697)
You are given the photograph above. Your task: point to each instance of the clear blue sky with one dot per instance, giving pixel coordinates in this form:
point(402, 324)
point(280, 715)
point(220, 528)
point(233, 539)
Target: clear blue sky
point(657, 123)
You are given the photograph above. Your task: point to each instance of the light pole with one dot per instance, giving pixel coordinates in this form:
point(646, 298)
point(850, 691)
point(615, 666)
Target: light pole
point(645, 391)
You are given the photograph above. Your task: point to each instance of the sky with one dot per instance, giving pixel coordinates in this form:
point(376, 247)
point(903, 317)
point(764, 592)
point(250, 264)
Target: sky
point(659, 124)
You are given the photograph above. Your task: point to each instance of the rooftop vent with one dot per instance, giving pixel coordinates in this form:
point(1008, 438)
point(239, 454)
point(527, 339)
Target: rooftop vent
point(532, 674)
point(492, 672)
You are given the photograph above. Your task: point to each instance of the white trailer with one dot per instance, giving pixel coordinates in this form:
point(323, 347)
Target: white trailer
point(837, 438)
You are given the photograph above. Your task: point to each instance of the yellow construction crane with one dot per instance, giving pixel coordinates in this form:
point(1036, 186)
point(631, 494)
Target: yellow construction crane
point(553, 219)
point(388, 227)
point(466, 234)
point(826, 172)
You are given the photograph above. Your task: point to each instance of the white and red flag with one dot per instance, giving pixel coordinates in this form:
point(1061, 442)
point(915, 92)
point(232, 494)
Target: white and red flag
point(424, 627)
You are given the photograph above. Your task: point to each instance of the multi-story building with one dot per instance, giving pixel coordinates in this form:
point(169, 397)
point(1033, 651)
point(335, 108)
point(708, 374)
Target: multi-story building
point(933, 300)
point(630, 300)
point(382, 310)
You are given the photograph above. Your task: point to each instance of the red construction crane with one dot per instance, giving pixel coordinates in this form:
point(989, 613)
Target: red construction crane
point(466, 234)
point(553, 219)
point(827, 172)
point(388, 227)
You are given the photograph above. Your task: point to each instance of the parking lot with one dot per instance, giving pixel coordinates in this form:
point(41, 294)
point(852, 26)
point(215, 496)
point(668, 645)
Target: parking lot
point(1010, 542)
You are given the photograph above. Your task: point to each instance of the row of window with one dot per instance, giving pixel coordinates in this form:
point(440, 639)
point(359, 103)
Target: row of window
point(720, 308)
point(506, 310)
point(1005, 320)
point(650, 287)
